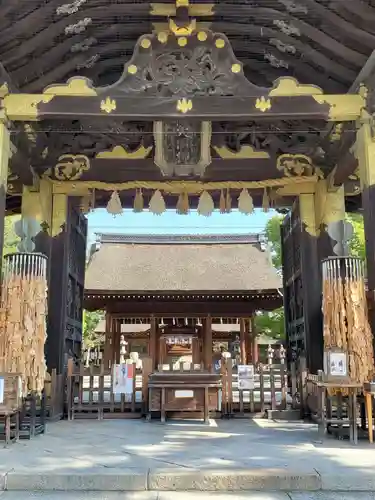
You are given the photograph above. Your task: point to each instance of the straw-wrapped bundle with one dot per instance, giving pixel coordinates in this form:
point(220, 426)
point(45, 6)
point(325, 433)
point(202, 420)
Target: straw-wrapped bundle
point(23, 319)
point(345, 317)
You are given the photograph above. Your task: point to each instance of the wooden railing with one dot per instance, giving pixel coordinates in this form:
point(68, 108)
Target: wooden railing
point(270, 391)
point(89, 394)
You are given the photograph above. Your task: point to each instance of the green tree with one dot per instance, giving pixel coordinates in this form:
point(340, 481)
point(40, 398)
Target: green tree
point(357, 245)
point(272, 323)
point(274, 239)
point(91, 339)
point(10, 238)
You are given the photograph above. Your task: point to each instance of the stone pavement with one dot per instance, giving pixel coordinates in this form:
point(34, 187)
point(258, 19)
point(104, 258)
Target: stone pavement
point(225, 455)
point(149, 495)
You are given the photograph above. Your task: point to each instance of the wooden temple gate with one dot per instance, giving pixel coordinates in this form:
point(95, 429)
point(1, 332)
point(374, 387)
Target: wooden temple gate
point(185, 125)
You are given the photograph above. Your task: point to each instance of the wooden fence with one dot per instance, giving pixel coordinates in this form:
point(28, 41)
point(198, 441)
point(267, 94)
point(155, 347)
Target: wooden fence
point(89, 394)
point(271, 391)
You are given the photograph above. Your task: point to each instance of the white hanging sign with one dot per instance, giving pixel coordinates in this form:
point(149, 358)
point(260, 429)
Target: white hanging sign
point(122, 378)
point(246, 377)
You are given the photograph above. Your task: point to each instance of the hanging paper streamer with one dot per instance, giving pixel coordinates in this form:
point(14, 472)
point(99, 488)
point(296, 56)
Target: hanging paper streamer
point(138, 201)
point(157, 203)
point(272, 197)
point(228, 202)
point(206, 204)
point(222, 204)
point(182, 206)
point(245, 202)
point(265, 201)
point(114, 206)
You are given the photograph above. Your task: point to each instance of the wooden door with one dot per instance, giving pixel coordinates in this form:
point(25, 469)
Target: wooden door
point(66, 289)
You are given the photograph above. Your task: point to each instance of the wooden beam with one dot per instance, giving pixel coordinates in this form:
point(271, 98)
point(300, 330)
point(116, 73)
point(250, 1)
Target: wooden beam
point(183, 308)
point(272, 105)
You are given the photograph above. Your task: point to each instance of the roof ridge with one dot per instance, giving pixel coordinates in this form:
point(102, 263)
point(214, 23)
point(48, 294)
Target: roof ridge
point(251, 238)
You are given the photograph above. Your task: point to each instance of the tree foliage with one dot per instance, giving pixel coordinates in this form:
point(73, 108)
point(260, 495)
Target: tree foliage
point(357, 244)
point(10, 238)
point(91, 320)
point(272, 323)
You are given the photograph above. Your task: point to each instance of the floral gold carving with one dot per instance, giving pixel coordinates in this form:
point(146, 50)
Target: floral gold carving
point(184, 105)
point(119, 152)
point(71, 167)
point(108, 105)
point(263, 104)
point(297, 165)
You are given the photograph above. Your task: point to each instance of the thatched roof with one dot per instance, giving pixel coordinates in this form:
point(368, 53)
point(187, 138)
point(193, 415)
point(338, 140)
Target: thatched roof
point(178, 264)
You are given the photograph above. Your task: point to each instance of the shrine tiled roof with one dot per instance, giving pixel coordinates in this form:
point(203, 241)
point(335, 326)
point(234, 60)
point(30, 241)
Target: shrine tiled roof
point(144, 264)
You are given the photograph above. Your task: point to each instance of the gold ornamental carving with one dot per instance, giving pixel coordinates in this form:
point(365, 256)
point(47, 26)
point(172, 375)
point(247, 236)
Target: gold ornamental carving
point(246, 152)
point(263, 104)
point(71, 167)
point(287, 86)
point(108, 105)
point(120, 153)
point(76, 86)
point(182, 30)
point(297, 165)
point(184, 105)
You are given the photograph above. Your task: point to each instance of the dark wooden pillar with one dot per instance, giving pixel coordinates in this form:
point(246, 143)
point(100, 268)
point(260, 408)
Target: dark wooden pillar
point(108, 346)
point(253, 342)
point(207, 346)
point(152, 344)
point(319, 213)
point(311, 284)
point(242, 341)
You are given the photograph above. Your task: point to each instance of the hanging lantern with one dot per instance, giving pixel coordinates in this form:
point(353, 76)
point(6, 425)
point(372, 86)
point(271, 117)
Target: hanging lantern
point(206, 204)
point(245, 202)
point(228, 202)
point(157, 203)
point(114, 205)
point(222, 204)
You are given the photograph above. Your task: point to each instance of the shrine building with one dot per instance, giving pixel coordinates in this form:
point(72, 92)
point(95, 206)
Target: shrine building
point(181, 298)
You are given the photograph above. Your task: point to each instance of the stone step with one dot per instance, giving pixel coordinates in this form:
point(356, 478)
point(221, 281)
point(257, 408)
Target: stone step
point(173, 495)
point(133, 479)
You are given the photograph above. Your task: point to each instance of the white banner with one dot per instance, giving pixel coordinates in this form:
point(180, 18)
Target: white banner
point(122, 379)
point(246, 377)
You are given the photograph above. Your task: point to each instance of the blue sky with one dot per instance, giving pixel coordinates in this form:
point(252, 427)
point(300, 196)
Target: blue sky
point(172, 223)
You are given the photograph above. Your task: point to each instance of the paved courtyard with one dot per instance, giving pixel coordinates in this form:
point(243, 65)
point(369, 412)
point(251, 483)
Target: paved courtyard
point(90, 445)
